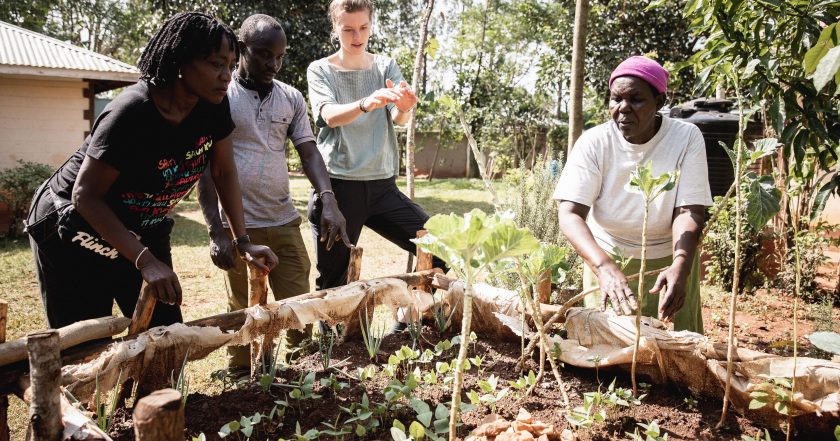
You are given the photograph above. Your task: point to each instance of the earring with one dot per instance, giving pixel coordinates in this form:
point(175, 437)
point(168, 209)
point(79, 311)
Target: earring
point(179, 74)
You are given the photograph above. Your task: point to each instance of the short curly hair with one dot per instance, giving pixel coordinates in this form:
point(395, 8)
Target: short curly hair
point(184, 37)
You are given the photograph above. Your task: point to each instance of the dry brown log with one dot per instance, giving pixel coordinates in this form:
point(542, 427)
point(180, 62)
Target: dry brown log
point(354, 268)
point(10, 375)
point(77, 426)
point(143, 311)
point(159, 417)
point(69, 336)
point(4, 400)
point(45, 376)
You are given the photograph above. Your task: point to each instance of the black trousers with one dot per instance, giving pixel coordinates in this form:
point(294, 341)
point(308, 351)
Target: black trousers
point(378, 205)
point(80, 278)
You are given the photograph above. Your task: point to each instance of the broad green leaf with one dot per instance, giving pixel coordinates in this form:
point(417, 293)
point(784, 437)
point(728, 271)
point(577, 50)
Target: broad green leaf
point(397, 424)
point(826, 341)
point(432, 46)
point(750, 69)
point(762, 202)
point(837, 433)
point(777, 113)
point(416, 431)
point(823, 194)
point(818, 51)
point(762, 148)
point(827, 68)
point(441, 412)
point(396, 434)
point(757, 404)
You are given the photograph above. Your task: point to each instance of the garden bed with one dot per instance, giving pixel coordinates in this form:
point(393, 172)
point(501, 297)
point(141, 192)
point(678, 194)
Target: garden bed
point(678, 414)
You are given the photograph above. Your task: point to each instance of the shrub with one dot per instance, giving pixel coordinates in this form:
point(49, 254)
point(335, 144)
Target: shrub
point(812, 244)
point(528, 196)
point(17, 186)
point(719, 245)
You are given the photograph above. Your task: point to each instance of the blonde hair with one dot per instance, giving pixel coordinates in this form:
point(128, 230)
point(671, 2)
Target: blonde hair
point(349, 6)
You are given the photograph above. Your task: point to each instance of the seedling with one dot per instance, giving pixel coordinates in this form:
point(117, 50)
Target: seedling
point(415, 431)
point(268, 369)
point(105, 416)
point(773, 389)
point(326, 342)
point(470, 245)
point(488, 396)
point(415, 326)
point(651, 433)
point(372, 338)
point(650, 187)
point(182, 384)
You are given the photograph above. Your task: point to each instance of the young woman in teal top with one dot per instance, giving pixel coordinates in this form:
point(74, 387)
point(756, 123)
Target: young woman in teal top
point(356, 98)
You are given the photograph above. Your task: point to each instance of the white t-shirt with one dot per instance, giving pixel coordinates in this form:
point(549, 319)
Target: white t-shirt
point(599, 168)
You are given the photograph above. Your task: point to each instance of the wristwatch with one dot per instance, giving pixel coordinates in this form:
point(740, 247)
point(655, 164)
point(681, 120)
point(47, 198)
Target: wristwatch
point(241, 240)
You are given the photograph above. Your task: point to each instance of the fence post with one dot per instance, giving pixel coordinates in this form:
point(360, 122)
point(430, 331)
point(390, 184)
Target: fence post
point(354, 268)
point(45, 378)
point(159, 416)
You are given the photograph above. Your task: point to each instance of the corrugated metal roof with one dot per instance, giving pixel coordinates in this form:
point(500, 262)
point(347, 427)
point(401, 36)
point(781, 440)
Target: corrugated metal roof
point(21, 47)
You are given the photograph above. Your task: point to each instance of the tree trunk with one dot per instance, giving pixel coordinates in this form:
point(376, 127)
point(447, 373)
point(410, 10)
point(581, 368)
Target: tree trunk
point(578, 54)
point(419, 60)
point(45, 374)
point(159, 417)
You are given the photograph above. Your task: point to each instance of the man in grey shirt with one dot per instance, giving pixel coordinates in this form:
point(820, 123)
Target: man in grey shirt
point(267, 112)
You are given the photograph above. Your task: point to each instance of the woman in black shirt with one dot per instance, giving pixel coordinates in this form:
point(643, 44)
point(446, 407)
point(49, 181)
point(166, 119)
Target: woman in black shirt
point(145, 152)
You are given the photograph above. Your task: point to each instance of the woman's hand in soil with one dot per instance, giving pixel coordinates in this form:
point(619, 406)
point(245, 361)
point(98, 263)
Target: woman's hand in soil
point(222, 251)
point(257, 254)
point(614, 286)
point(673, 282)
point(161, 281)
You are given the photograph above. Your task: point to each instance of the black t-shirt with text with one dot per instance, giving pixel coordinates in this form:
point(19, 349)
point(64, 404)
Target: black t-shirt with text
point(158, 163)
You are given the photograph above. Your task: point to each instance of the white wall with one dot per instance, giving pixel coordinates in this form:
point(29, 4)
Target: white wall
point(41, 119)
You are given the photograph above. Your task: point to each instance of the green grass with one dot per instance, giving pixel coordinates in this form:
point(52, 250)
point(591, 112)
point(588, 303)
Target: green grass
point(203, 283)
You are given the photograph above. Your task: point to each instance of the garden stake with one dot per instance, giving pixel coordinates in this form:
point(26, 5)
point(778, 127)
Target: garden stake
point(354, 268)
point(258, 295)
point(143, 311)
point(159, 416)
point(45, 377)
point(736, 276)
point(796, 293)
point(4, 400)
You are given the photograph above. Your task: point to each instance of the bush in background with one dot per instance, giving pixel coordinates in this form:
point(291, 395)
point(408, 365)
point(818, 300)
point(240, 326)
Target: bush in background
point(719, 245)
point(812, 244)
point(528, 192)
point(17, 186)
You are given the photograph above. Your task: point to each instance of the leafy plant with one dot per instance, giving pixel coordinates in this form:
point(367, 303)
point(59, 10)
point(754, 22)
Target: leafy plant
point(776, 390)
point(415, 431)
point(442, 318)
point(650, 187)
point(651, 433)
point(17, 186)
point(524, 382)
point(245, 426)
point(436, 423)
point(470, 245)
point(826, 341)
point(486, 394)
point(268, 369)
point(182, 384)
point(372, 338)
point(326, 342)
point(105, 415)
point(415, 326)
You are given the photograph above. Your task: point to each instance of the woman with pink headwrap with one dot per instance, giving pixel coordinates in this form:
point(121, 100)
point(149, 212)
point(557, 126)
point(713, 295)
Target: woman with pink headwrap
point(602, 219)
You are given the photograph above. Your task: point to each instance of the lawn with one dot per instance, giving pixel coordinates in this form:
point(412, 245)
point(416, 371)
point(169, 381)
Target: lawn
point(203, 283)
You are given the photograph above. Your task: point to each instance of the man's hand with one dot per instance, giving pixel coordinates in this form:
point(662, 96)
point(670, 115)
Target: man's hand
point(161, 281)
point(614, 286)
point(333, 224)
point(674, 280)
point(251, 253)
point(222, 251)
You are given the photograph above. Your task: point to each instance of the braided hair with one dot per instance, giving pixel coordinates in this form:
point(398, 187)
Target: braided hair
point(184, 37)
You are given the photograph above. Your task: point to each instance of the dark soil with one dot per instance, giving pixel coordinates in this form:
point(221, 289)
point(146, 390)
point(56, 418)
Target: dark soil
point(679, 414)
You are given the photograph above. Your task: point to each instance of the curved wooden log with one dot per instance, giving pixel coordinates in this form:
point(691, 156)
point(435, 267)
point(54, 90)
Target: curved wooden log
point(45, 373)
point(69, 336)
point(354, 268)
point(159, 417)
point(10, 374)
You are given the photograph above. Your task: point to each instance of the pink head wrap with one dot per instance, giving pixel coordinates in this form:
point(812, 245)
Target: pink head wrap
point(644, 68)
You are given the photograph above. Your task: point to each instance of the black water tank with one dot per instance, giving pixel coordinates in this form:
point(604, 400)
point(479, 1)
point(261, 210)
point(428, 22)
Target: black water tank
point(715, 121)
